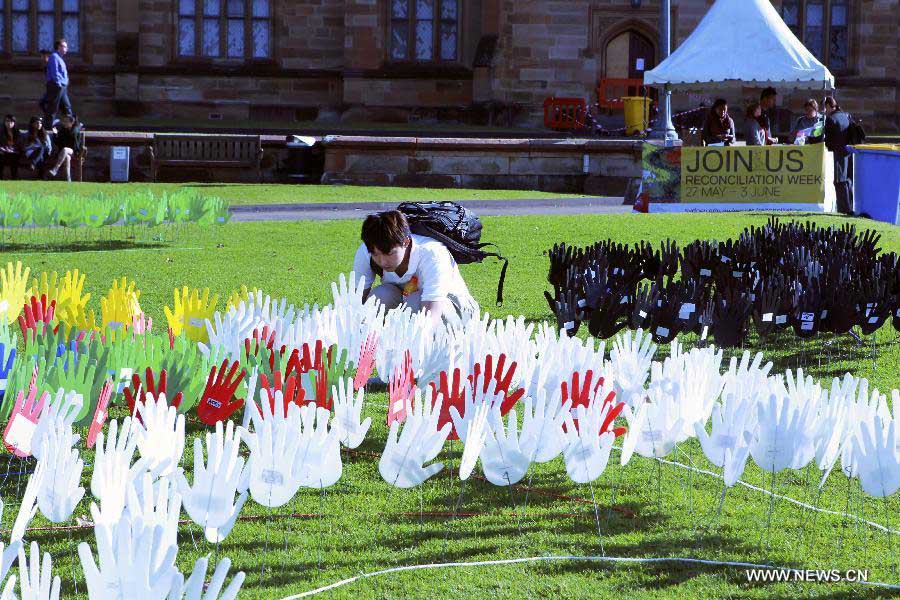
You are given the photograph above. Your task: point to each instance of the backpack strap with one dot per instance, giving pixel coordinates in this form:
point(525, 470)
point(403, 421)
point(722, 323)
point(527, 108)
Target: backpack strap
point(502, 275)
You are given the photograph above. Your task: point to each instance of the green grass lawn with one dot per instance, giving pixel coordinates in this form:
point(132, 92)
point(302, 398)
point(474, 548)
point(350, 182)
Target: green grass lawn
point(251, 193)
point(647, 509)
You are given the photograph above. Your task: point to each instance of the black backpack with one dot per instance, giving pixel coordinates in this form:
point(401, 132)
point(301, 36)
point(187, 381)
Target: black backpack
point(855, 133)
point(455, 226)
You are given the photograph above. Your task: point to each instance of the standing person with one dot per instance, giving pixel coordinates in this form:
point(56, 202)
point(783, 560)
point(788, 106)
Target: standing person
point(754, 132)
point(767, 101)
point(57, 84)
point(812, 121)
point(719, 127)
point(10, 147)
point(415, 270)
point(837, 122)
point(37, 146)
point(67, 142)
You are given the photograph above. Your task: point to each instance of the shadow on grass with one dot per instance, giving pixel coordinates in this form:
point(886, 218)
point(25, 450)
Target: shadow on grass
point(81, 246)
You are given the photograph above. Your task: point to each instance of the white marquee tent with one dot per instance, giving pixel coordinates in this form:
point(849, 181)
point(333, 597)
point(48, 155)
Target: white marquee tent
point(741, 43)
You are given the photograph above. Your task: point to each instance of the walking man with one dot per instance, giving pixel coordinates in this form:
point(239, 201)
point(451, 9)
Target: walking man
point(57, 85)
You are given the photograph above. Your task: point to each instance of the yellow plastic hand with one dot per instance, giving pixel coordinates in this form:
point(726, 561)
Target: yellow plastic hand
point(239, 296)
point(118, 308)
point(14, 292)
point(191, 312)
point(47, 286)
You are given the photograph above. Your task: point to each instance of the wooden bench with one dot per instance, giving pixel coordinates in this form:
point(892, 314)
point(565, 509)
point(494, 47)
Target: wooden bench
point(209, 150)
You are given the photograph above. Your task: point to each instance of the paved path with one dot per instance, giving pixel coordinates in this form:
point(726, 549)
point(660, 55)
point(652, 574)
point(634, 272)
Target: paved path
point(335, 210)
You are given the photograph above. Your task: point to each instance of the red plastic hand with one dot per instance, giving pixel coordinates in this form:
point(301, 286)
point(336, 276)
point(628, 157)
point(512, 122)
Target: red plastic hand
point(501, 382)
point(401, 390)
point(264, 340)
point(171, 339)
point(581, 394)
point(291, 391)
point(22, 422)
point(366, 361)
point(36, 316)
point(218, 401)
point(309, 360)
point(100, 414)
point(455, 396)
point(136, 393)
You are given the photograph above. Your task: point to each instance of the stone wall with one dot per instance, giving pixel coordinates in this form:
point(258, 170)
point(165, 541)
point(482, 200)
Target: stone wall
point(330, 60)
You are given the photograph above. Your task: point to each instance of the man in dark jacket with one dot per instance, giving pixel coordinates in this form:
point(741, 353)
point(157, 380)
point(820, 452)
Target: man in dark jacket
point(57, 77)
point(837, 122)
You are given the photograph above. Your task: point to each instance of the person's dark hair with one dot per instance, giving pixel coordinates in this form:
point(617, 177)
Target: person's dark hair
point(33, 132)
point(719, 102)
point(44, 52)
point(751, 109)
point(811, 102)
point(67, 119)
point(59, 43)
point(385, 231)
point(831, 102)
point(769, 91)
point(9, 117)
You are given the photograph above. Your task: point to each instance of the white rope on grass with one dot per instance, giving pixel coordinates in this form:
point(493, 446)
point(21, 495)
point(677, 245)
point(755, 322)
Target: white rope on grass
point(787, 498)
point(533, 559)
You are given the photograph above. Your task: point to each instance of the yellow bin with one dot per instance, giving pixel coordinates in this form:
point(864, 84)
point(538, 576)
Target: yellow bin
point(637, 114)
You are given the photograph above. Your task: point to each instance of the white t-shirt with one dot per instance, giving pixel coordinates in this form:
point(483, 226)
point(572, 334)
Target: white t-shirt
point(435, 271)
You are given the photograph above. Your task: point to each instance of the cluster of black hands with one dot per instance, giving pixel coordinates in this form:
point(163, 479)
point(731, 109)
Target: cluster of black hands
point(783, 275)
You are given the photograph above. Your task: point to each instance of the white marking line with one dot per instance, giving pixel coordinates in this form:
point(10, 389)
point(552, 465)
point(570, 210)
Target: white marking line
point(531, 559)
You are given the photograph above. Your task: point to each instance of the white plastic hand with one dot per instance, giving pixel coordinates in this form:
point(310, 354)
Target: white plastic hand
point(36, 581)
point(542, 437)
point(785, 434)
point(348, 413)
point(28, 508)
point(210, 500)
point(659, 427)
point(587, 452)
point(61, 490)
point(319, 454)
point(502, 459)
point(401, 463)
point(428, 414)
point(65, 406)
point(274, 474)
point(113, 470)
point(196, 588)
point(156, 507)
point(348, 291)
point(474, 442)
point(729, 422)
point(214, 535)
point(877, 456)
point(631, 357)
point(134, 563)
point(472, 400)
point(229, 333)
point(159, 434)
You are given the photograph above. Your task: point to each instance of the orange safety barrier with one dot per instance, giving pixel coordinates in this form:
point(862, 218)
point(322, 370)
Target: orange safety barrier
point(610, 92)
point(564, 113)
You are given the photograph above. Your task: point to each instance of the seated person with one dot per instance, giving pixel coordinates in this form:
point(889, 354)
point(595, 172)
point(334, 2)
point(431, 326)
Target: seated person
point(719, 127)
point(415, 270)
point(10, 147)
point(754, 131)
point(67, 142)
point(37, 147)
point(812, 122)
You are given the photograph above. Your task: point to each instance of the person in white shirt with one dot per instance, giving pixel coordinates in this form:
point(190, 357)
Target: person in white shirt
point(415, 270)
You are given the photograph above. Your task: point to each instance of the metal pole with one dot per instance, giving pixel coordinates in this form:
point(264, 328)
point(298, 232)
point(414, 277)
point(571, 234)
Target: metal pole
point(664, 128)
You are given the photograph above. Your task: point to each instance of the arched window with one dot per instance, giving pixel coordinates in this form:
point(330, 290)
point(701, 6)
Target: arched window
point(424, 30)
point(823, 27)
point(28, 26)
point(240, 29)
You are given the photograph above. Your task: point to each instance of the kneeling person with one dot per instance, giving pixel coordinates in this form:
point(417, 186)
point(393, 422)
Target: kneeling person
point(415, 270)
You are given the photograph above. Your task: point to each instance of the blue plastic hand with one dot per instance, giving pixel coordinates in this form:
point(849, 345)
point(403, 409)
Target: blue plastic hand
point(5, 368)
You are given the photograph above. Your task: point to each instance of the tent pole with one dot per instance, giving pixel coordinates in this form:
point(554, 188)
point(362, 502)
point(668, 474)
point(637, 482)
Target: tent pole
point(664, 128)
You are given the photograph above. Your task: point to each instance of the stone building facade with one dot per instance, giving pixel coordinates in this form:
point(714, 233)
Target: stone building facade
point(287, 61)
